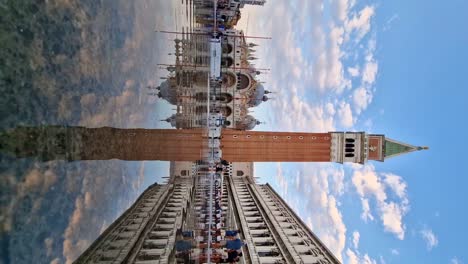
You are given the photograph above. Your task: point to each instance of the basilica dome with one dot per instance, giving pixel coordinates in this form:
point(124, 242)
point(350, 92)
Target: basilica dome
point(167, 92)
point(248, 123)
point(258, 96)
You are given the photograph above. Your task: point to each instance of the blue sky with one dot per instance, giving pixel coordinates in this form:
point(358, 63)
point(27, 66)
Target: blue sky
point(392, 67)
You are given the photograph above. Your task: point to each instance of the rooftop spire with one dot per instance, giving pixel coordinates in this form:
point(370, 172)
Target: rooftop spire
point(395, 148)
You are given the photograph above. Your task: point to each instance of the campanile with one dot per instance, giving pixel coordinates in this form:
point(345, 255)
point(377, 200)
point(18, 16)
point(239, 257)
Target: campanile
point(79, 143)
point(356, 147)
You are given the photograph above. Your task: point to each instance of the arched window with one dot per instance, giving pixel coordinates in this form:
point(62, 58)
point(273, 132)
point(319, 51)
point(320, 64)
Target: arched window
point(183, 172)
point(239, 173)
point(226, 111)
point(243, 81)
point(224, 98)
point(350, 140)
point(227, 62)
point(349, 150)
point(350, 145)
point(227, 48)
point(228, 79)
point(349, 155)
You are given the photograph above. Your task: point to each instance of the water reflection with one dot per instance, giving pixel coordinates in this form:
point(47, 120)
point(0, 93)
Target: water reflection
point(79, 63)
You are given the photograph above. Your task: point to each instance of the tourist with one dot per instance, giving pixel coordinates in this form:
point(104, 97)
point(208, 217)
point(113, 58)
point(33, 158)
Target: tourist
point(231, 233)
point(234, 244)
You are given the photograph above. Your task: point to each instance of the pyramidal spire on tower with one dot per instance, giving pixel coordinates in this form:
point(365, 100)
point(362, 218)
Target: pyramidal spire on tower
point(381, 148)
point(393, 148)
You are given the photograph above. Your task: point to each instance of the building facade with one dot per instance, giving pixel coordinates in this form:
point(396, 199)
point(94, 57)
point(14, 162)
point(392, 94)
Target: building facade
point(148, 231)
point(188, 82)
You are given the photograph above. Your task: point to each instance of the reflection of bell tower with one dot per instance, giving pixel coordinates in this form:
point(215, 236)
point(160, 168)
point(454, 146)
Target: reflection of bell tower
point(104, 143)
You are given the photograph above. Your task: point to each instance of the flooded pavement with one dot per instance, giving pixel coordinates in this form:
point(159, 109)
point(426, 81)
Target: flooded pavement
point(78, 63)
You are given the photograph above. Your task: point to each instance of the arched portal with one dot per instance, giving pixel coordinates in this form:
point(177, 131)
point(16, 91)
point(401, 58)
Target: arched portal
point(227, 48)
point(243, 81)
point(224, 98)
point(226, 111)
point(228, 79)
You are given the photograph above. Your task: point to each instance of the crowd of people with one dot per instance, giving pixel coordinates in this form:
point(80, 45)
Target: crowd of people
point(209, 239)
point(191, 246)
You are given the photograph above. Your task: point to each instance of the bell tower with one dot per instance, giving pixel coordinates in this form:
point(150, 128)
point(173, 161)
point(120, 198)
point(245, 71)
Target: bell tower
point(79, 143)
point(348, 147)
point(340, 147)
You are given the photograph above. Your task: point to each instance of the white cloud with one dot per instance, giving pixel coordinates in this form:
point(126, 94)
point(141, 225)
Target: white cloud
point(396, 183)
point(72, 245)
point(360, 23)
point(352, 257)
point(395, 251)
point(392, 218)
point(328, 68)
point(353, 71)
point(369, 72)
point(37, 180)
point(123, 110)
point(369, 184)
point(455, 260)
point(281, 179)
point(340, 8)
point(368, 260)
point(366, 213)
point(356, 236)
point(429, 237)
point(361, 99)
point(355, 258)
point(345, 115)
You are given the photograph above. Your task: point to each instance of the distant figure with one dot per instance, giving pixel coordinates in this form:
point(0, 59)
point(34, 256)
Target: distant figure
point(233, 256)
point(183, 245)
point(232, 233)
point(234, 244)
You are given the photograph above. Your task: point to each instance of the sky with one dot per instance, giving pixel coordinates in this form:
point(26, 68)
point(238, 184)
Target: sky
point(387, 67)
